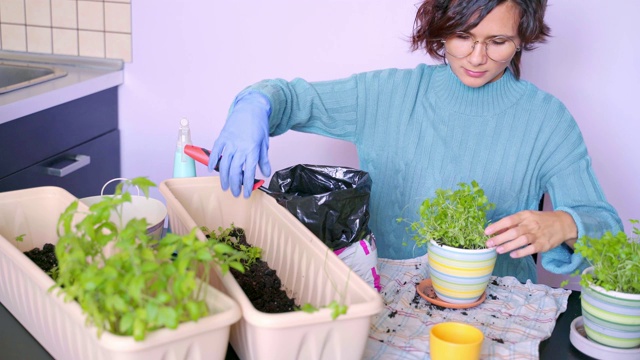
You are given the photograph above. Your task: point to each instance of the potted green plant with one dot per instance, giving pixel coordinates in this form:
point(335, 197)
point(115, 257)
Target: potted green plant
point(452, 225)
point(123, 293)
point(611, 288)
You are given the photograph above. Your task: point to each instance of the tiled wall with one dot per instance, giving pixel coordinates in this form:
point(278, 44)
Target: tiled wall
point(93, 28)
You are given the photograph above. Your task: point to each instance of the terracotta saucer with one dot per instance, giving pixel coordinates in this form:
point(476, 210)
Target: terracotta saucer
point(425, 289)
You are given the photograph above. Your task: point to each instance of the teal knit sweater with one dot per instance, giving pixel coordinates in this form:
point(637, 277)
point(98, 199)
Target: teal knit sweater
point(420, 129)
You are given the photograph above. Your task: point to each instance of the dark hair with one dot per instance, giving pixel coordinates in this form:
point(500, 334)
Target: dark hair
point(439, 19)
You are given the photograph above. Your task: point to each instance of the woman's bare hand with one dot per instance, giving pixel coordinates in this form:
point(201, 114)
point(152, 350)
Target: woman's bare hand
point(529, 232)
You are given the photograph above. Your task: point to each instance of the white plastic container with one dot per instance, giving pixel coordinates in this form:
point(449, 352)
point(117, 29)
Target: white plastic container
point(183, 165)
point(60, 326)
point(310, 272)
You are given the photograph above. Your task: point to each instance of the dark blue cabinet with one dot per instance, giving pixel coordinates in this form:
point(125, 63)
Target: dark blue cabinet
point(75, 145)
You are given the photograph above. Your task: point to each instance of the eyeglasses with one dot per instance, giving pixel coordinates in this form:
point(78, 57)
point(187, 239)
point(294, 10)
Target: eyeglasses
point(498, 48)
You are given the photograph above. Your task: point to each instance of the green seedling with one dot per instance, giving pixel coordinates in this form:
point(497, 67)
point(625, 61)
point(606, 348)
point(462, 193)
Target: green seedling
point(126, 282)
point(615, 259)
point(230, 236)
point(455, 218)
point(337, 309)
point(252, 253)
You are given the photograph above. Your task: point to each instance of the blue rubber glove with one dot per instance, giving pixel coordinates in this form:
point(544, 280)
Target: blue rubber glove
point(244, 142)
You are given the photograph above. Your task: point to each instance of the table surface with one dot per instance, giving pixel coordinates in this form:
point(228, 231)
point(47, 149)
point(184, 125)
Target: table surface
point(17, 343)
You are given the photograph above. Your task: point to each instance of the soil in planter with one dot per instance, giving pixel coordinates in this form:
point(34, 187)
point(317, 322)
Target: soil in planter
point(45, 258)
point(262, 285)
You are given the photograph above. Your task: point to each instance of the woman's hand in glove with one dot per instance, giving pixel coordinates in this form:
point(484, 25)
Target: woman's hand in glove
point(243, 143)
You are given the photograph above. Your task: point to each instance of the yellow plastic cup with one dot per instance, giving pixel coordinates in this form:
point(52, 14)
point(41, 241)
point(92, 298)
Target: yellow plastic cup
point(456, 341)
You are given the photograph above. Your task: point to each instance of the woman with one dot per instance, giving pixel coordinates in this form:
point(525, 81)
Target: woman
point(431, 127)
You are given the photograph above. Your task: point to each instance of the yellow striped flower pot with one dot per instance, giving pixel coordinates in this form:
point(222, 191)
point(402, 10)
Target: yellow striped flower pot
point(460, 276)
point(611, 318)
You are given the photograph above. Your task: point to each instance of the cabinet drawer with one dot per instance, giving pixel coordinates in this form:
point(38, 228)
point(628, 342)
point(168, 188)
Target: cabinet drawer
point(82, 170)
point(39, 136)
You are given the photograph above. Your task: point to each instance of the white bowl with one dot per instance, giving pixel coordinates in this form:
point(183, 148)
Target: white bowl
point(140, 207)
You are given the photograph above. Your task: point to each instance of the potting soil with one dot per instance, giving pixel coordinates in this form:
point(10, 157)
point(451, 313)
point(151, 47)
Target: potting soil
point(45, 258)
point(262, 285)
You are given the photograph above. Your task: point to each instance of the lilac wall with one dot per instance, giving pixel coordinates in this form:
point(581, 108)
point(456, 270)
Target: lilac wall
point(592, 64)
point(190, 58)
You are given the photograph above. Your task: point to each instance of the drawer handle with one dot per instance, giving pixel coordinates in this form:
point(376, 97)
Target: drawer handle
point(79, 161)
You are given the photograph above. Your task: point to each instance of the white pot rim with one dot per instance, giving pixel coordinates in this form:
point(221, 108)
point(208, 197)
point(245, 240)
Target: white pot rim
point(455, 249)
point(617, 294)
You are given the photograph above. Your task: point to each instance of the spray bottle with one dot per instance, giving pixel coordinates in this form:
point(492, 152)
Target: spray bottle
point(183, 165)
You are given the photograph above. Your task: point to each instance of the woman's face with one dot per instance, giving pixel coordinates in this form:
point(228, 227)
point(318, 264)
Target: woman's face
point(477, 69)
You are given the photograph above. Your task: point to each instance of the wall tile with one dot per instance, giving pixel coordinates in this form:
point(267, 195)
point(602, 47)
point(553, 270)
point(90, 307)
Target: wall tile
point(91, 15)
point(38, 12)
point(64, 14)
point(117, 17)
point(39, 39)
point(94, 28)
point(12, 11)
point(65, 42)
point(91, 43)
point(118, 46)
point(14, 37)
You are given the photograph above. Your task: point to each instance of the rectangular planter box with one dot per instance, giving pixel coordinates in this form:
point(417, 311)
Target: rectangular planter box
point(60, 326)
point(310, 272)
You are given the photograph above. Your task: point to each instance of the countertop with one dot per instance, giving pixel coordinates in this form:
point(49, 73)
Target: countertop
point(85, 76)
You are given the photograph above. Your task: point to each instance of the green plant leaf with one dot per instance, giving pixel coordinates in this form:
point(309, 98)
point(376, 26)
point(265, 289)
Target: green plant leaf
point(125, 281)
point(308, 308)
point(193, 309)
point(139, 329)
point(152, 311)
point(455, 218)
point(125, 326)
point(615, 259)
point(238, 266)
point(150, 266)
point(203, 255)
point(168, 317)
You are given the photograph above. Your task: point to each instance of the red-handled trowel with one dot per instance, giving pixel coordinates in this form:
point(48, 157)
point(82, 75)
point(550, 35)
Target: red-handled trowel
point(201, 155)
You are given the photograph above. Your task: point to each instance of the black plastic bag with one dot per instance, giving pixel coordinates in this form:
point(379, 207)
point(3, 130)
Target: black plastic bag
point(332, 202)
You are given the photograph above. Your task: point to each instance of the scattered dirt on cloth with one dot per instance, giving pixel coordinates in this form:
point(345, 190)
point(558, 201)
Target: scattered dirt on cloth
point(262, 285)
point(45, 258)
point(416, 299)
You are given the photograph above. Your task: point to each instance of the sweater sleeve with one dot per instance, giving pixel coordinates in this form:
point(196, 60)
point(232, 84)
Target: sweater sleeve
point(326, 108)
point(340, 108)
point(573, 187)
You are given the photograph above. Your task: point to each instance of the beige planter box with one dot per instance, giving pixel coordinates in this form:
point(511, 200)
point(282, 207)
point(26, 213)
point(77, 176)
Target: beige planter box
point(310, 272)
point(60, 326)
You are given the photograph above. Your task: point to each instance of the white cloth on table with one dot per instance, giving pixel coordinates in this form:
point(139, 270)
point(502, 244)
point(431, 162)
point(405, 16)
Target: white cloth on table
point(514, 318)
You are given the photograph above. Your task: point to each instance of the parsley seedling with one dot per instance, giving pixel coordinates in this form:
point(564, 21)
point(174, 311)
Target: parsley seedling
point(455, 218)
point(615, 260)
